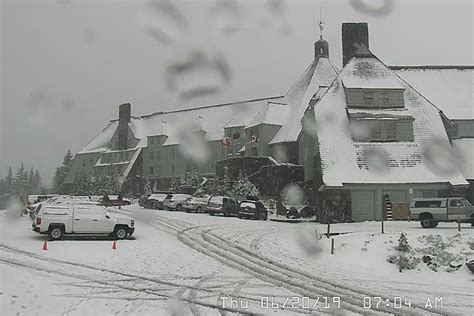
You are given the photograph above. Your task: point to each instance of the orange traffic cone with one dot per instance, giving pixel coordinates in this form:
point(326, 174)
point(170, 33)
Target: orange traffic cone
point(114, 245)
point(45, 245)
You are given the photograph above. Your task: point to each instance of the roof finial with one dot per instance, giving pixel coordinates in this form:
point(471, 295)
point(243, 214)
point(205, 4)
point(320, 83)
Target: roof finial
point(320, 22)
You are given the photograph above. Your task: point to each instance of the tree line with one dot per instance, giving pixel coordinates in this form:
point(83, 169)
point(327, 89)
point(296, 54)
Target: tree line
point(23, 182)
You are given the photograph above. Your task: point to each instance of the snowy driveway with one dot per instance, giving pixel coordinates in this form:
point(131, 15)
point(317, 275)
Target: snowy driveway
point(195, 264)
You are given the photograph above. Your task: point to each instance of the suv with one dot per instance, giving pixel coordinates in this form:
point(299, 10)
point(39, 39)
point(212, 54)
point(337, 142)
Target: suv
point(253, 209)
point(223, 204)
point(431, 211)
point(196, 204)
point(58, 220)
point(175, 201)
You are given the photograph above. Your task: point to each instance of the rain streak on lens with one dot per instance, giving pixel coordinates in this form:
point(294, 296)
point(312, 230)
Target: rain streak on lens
point(280, 153)
point(440, 158)
point(227, 16)
point(373, 7)
point(359, 130)
point(164, 22)
point(376, 160)
point(198, 74)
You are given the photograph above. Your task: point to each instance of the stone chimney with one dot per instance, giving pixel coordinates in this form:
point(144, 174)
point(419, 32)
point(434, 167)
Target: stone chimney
point(353, 36)
point(124, 119)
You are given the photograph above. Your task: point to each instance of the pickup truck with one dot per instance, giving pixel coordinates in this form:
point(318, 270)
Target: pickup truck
point(58, 220)
point(432, 211)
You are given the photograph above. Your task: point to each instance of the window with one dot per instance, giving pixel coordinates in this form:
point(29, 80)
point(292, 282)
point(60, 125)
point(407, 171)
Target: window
point(157, 168)
point(376, 132)
point(435, 203)
point(391, 131)
point(151, 171)
point(158, 155)
point(236, 136)
point(151, 141)
point(172, 167)
point(455, 203)
point(83, 162)
point(368, 98)
point(384, 99)
point(152, 155)
point(91, 161)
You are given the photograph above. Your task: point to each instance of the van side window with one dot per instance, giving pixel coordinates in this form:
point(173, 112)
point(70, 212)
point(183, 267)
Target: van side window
point(455, 203)
point(428, 204)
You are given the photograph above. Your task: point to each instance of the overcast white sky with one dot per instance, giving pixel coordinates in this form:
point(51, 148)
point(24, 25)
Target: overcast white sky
point(66, 65)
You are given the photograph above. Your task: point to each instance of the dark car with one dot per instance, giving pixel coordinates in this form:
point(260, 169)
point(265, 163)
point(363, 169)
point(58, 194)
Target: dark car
point(142, 200)
point(223, 205)
point(253, 209)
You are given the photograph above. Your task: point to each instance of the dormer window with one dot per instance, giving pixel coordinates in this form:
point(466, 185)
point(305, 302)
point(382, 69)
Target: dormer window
point(368, 98)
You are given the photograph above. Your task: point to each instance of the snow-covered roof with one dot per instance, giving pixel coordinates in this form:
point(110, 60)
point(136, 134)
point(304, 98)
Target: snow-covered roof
point(465, 148)
point(369, 73)
point(347, 161)
point(450, 88)
point(102, 141)
point(311, 84)
point(209, 119)
point(272, 114)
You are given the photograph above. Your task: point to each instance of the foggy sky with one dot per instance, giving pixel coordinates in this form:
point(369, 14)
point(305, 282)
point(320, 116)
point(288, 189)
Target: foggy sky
point(66, 65)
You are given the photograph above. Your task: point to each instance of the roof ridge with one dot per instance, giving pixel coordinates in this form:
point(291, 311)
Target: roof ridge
point(431, 67)
point(210, 106)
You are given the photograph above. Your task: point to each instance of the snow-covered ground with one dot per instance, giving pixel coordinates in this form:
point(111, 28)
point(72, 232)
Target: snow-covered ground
point(195, 264)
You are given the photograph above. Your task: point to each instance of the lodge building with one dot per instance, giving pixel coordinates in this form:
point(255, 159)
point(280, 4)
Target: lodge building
point(369, 130)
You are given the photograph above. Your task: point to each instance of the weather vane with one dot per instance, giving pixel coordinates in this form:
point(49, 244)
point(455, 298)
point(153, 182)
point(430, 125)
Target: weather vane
point(320, 22)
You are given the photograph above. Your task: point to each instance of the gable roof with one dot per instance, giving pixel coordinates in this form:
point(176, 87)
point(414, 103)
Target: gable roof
point(450, 88)
point(272, 114)
point(347, 161)
point(313, 82)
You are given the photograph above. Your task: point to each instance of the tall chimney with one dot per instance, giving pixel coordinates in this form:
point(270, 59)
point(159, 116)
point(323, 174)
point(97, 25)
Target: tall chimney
point(353, 36)
point(124, 119)
point(321, 49)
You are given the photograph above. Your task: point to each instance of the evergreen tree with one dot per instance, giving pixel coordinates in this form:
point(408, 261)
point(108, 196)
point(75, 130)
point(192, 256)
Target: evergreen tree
point(31, 185)
point(155, 186)
point(37, 182)
point(9, 181)
point(243, 189)
point(21, 180)
point(62, 171)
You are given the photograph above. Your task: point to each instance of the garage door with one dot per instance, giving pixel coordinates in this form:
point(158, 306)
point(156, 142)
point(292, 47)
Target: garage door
point(363, 205)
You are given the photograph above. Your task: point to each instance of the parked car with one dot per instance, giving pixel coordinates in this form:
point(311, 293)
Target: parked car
point(196, 204)
point(222, 205)
point(156, 201)
point(432, 211)
point(59, 220)
point(114, 201)
point(142, 200)
point(252, 209)
point(175, 201)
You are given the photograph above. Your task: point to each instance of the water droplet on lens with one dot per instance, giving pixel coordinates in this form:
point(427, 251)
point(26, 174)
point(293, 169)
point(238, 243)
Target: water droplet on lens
point(198, 74)
point(293, 194)
point(164, 22)
point(228, 16)
point(373, 7)
point(440, 158)
point(192, 141)
point(376, 160)
point(276, 7)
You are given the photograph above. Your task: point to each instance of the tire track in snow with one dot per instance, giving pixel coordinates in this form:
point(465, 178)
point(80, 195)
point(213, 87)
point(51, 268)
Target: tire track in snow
point(241, 258)
point(86, 278)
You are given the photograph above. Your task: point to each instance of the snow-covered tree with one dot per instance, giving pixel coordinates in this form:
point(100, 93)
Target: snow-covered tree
point(242, 189)
point(148, 189)
point(155, 186)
